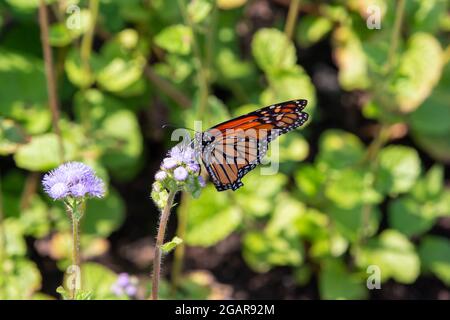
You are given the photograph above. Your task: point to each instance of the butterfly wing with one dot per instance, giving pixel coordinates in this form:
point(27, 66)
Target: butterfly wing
point(233, 148)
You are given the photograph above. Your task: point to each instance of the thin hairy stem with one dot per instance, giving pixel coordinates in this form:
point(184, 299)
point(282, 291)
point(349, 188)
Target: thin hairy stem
point(50, 74)
point(159, 242)
point(75, 254)
point(177, 266)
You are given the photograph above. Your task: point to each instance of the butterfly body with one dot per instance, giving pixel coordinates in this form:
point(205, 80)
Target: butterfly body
point(231, 149)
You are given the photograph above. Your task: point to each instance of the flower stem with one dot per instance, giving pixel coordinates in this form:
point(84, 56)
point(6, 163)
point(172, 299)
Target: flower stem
point(180, 249)
point(49, 71)
point(159, 242)
point(75, 254)
point(76, 211)
point(291, 18)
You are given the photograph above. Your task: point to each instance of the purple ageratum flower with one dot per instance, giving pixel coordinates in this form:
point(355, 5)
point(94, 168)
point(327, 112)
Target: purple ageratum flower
point(193, 167)
point(125, 284)
point(169, 163)
point(201, 181)
point(73, 179)
point(182, 153)
point(131, 290)
point(180, 173)
point(160, 175)
point(123, 280)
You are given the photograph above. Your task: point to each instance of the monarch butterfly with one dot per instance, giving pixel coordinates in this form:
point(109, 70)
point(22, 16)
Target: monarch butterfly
point(231, 149)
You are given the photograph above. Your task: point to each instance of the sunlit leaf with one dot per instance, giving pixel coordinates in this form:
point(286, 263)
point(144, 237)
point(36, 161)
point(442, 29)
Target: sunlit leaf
point(394, 254)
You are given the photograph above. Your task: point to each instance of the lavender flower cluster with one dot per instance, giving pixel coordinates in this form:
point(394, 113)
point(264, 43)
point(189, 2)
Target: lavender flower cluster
point(73, 179)
point(179, 171)
point(125, 285)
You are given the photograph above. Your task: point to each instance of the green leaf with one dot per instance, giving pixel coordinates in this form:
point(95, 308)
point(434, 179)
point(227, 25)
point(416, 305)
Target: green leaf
point(310, 180)
point(27, 5)
point(263, 251)
point(434, 180)
point(34, 218)
point(419, 71)
point(169, 246)
point(351, 222)
point(42, 153)
point(175, 39)
point(21, 281)
point(351, 187)
point(15, 242)
point(409, 217)
point(211, 218)
point(431, 117)
point(394, 254)
point(97, 280)
point(351, 59)
point(335, 282)
point(23, 91)
point(198, 10)
point(287, 212)
point(123, 145)
point(286, 84)
point(435, 256)
point(120, 74)
point(11, 136)
point(339, 149)
point(59, 35)
point(312, 29)
point(427, 15)
point(399, 168)
point(103, 216)
point(76, 71)
point(273, 51)
point(257, 197)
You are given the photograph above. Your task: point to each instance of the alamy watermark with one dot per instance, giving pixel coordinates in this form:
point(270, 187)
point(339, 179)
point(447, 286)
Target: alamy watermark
point(373, 20)
point(374, 279)
point(73, 21)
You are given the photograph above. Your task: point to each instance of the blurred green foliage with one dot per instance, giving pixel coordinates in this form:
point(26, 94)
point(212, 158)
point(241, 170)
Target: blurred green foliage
point(333, 209)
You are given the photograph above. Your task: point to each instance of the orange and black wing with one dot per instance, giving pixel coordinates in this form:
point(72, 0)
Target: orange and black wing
point(233, 148)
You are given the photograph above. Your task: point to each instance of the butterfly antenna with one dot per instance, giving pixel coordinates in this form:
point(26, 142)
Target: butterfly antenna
point(168, 125)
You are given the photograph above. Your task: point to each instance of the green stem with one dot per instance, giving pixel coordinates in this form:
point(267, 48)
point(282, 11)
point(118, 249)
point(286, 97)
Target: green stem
point(88, 38)
point(52, 90)
point(75, 211)
point(75, 255)
point(380, 140)
point(159, 242)
point(395, 35)
point(291, 18)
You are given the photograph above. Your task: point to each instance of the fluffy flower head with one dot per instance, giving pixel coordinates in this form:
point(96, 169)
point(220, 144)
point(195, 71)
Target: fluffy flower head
point(73, 179)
